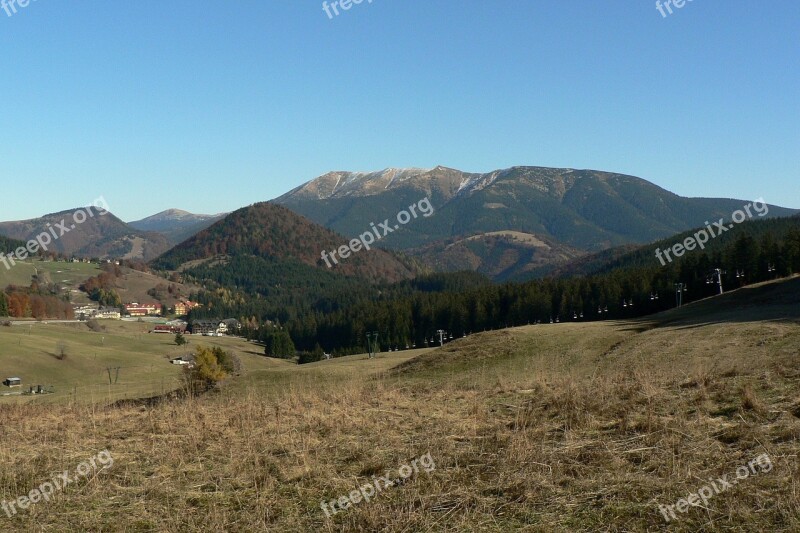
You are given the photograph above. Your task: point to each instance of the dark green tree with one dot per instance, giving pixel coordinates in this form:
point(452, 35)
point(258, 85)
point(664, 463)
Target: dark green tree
point(279, 344)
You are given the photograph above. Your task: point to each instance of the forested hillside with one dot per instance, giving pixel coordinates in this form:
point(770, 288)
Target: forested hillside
point(338, 316)
point(282, 239)
point(762, 231)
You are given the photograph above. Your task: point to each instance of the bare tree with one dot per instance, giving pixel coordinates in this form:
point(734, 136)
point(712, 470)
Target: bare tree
point(61, 350)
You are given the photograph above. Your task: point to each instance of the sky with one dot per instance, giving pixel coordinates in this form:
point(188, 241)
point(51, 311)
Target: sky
point(211, 106)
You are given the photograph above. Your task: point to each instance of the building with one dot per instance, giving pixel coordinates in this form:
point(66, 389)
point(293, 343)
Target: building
point(186, 360)
point(168, 328)
point(108, 312)
point(208, 327)
point(13, 382)
point(84, 312)
point(231, 325)
point(183, 307)
point(136, 309)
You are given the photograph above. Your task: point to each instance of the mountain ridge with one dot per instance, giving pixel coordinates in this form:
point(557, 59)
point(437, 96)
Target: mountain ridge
point(176, 225)
point(584, 210)
point(101, 235)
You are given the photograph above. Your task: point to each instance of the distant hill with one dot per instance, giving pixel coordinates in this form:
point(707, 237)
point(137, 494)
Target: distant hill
point(272, 232)
point(103, 236)
point(580, 210)
point(175, 224)
point(500, 255)
point(627, 257)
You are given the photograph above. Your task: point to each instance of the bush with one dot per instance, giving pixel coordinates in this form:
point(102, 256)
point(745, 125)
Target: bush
point(229, 362)
point(211, 366)
point(311, 357)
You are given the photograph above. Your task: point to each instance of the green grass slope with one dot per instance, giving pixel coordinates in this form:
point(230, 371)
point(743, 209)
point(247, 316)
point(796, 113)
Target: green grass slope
point(29, 352)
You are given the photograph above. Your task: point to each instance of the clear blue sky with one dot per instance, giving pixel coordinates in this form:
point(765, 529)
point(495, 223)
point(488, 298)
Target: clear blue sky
point(210, 106)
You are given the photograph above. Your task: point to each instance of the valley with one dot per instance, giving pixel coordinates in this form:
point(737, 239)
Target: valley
point(409, 267)
point(556, 427)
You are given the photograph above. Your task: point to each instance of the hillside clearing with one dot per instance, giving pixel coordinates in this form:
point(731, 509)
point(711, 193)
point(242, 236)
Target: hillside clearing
point(566, 427)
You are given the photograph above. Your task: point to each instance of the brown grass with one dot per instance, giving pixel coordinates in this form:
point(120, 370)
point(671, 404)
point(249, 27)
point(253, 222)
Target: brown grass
point(570, 427)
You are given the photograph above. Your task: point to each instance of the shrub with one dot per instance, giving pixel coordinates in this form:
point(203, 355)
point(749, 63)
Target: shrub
point(94, 325)
point(211, 366)
point(318, 354)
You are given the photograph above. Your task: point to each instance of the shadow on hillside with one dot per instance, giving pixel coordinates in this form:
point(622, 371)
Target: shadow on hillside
point(150, 401)
point(777, 301)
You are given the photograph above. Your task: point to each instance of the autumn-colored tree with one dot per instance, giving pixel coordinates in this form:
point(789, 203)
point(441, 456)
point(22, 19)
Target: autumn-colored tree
point(19, 305)
point(211, 366)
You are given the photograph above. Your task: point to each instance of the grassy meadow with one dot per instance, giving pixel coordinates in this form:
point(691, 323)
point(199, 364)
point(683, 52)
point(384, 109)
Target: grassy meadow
point(67, 274)
point(564, 427)
point(30, 351)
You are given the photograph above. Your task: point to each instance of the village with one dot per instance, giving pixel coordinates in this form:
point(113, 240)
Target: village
point(160, 319)
point(157, 314)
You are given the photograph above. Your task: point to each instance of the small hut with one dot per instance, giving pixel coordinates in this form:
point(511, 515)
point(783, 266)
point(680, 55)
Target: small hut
point(13, 382)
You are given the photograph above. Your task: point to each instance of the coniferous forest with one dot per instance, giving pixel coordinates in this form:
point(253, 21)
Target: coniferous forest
point(322, 310)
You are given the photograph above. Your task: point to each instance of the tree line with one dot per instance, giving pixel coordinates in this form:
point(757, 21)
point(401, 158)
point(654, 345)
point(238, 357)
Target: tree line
point(319, 310)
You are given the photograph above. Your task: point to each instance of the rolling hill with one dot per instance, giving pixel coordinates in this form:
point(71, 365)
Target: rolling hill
point(564, 427)
point(500, 255)
point(102, 235)
point(274, 233)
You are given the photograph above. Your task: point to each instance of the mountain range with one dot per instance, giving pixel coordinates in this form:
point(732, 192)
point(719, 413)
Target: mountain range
point(108, 237)
point(511, 223)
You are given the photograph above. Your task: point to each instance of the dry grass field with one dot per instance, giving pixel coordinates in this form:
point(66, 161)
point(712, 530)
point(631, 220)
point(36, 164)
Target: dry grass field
point(566, 427)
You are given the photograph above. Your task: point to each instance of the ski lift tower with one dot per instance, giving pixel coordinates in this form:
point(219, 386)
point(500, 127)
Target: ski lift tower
point(372, 343)
point(680, 288)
